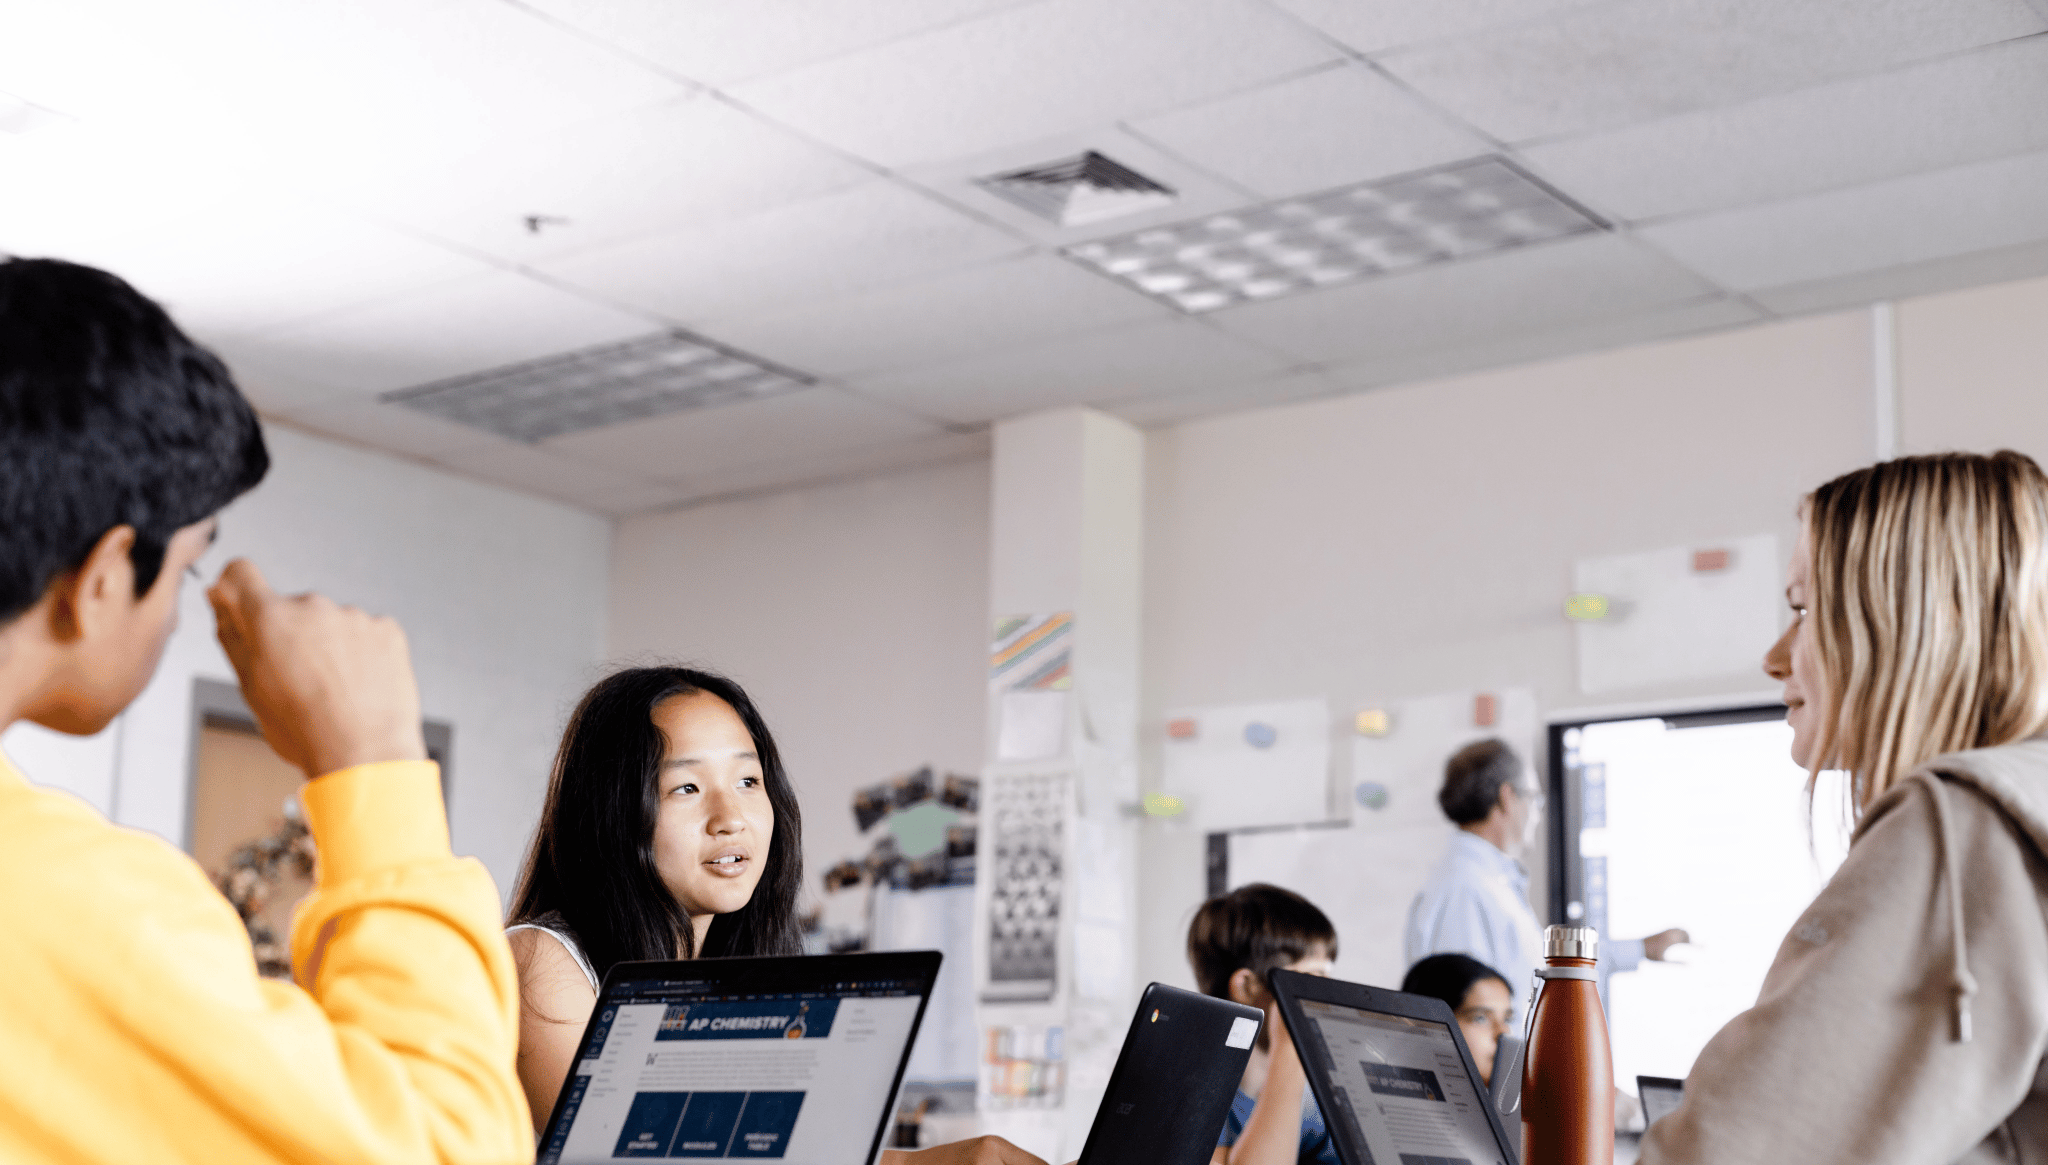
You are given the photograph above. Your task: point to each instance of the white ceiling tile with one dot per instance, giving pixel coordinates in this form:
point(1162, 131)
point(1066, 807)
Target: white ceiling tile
point(929, 321)
point(1548, 285)
point(778, 434)
point(392, 427)
point(275, 389)
point(447, 330)
point(1097, 368)
point(333, 92)
point(632, 499)
point(537, 471)
point(260, 265)
point(851, 241)
point(839, 465)
point(1965, 108)
point(72, 188)
point(1331, 128)
point(2001, 265)
point(719, 43)
point(218, 240)
point(1033, 72)
point(1638, 60)
point(1620, 330)
point(692, 161)
point(1386, 24)
point(1160, 411)
point(1866, 228)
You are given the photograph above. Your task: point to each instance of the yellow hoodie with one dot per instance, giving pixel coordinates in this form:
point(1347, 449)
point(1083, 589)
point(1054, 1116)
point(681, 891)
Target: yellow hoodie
point(133, 1025)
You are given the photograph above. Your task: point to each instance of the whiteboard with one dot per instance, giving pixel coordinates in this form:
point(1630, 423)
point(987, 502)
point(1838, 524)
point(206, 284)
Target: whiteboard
point(1243, 765)
point(1364, 875)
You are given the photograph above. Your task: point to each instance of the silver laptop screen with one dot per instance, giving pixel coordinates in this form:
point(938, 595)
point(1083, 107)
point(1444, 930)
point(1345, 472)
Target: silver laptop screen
point(673, 1072)
point(1661, 1098)
point(1403, 1088)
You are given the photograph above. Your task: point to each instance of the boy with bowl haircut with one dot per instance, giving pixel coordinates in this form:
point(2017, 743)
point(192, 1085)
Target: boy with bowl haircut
point(1233, 941)
point(133, 1025)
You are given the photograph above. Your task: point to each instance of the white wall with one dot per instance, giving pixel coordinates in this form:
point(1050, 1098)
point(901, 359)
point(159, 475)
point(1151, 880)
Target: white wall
point(1421, 539)
point(855, 615)
point(502, 597)
point(1973, 370)
point(1368, 548)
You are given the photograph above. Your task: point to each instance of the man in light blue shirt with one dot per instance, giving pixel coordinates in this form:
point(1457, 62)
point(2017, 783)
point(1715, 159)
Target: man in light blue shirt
point(1476, 901)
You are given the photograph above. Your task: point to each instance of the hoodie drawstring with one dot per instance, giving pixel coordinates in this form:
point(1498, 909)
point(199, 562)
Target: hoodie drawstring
point(1962, 984)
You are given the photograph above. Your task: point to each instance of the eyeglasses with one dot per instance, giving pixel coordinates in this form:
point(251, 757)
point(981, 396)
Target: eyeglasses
point(1498, 1017)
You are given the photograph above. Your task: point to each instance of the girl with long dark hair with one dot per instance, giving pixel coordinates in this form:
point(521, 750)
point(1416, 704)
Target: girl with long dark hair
point(670, 831)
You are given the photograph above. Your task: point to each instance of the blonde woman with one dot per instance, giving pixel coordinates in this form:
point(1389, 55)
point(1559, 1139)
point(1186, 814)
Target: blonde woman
point(1906, 1016)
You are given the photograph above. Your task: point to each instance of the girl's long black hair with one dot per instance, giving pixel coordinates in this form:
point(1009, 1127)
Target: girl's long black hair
point(592, 859)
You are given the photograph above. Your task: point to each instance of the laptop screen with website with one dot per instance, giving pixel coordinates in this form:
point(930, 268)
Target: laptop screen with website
point(1403, 1088)
point(679, 1069)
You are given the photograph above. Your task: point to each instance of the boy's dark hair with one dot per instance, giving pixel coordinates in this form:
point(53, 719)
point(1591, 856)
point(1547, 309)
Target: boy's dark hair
point(1473, 777)
point(1254, 928)
point(1449, 977)
point(109, 416)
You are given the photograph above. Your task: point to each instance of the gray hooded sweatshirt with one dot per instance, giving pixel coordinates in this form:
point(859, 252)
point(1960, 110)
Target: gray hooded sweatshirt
point(1906, 1016)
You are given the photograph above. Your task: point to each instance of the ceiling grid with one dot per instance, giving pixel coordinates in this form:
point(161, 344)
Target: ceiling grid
point(522, 184)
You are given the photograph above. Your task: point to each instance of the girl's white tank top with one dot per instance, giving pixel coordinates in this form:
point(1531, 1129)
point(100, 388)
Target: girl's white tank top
point(568, 943)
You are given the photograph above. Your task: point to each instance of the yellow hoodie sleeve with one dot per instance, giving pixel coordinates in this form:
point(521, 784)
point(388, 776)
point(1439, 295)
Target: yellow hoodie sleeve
point(133, 1025)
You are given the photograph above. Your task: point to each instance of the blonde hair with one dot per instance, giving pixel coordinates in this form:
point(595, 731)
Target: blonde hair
point(1929, 611)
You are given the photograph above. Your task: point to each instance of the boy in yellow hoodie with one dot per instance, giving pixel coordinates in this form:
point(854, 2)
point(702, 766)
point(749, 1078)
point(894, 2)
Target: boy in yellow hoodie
point(133, 1025)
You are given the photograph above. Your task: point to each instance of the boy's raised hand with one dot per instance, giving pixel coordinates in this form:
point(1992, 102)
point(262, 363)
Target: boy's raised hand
point(330, 686)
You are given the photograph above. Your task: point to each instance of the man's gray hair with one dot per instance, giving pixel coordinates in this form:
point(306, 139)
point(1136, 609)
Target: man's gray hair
point(1473, 777)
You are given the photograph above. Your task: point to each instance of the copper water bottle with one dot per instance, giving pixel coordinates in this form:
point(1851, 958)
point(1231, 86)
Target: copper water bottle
point(1568, 1069)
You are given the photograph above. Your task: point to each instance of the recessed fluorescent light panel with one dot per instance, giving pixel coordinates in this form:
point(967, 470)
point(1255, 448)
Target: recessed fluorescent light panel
point(1078, 191)
point(1300, 244)
point(606, 385)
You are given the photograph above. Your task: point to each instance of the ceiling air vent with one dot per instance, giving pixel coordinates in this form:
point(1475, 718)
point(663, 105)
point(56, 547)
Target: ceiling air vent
point(609, 384)
point(1078, 191)
point(1321, 240)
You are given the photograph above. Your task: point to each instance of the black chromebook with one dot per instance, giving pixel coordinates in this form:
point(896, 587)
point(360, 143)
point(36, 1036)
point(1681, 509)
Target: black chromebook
point(1173, 1081)
point(1395, 1081)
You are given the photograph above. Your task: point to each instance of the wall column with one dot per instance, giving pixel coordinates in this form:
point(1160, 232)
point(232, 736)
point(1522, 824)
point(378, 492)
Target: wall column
point(1066, 538)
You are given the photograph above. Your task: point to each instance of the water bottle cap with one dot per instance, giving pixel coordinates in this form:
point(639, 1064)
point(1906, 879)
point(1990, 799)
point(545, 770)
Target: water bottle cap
point(1571, 942)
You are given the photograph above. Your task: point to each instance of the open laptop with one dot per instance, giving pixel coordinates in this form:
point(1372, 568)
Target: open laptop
point(1660, 1096)
point(1395, 1080)
point(742, 1060)
point(1174, 1079)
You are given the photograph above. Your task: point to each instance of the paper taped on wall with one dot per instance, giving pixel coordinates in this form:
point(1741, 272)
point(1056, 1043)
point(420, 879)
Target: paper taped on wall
point(1251, 764)
point(1030, 678)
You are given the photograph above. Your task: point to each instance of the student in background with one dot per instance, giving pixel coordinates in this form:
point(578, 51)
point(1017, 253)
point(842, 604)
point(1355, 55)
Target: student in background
point(670, 831)
point(1234, 940)
point(133, 1026)
point(1476, 901)
point(1479, 998)
point(1905, 1016)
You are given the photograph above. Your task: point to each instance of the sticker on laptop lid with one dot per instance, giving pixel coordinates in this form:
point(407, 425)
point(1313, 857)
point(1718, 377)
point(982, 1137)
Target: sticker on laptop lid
point(1242, 1029)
